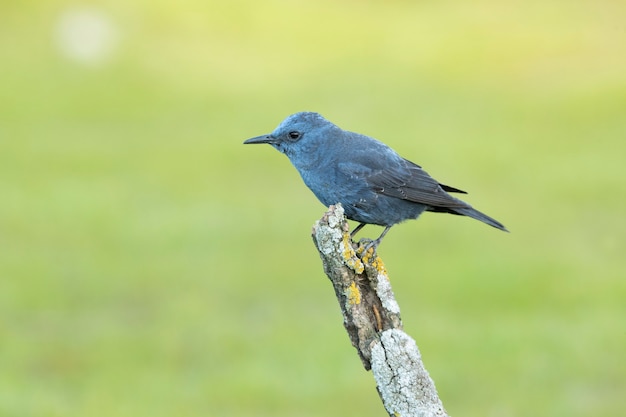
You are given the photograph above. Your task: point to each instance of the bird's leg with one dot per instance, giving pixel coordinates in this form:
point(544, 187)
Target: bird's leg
point(356, 229)
point(374, 243)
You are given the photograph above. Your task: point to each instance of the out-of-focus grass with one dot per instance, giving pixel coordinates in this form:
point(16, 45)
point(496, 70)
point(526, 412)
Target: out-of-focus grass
point(151, 265)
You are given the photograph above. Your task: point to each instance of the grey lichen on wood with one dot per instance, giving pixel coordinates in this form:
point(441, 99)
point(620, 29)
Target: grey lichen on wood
point(371, 317)
point(403, 383)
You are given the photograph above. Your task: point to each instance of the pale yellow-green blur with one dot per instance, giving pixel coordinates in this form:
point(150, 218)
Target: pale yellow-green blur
point(152, 265)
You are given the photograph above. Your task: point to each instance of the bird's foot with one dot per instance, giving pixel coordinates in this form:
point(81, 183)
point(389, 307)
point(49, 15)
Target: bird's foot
point(367, 244)
point(367, 247)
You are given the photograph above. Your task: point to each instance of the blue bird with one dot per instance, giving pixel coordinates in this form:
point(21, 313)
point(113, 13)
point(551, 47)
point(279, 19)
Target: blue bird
point(372, 182)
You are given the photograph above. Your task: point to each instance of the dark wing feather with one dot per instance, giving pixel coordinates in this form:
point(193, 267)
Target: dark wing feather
point(410, 182)
point(449, 189)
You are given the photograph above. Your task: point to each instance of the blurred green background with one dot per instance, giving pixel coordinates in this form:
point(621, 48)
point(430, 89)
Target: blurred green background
point(151, 265)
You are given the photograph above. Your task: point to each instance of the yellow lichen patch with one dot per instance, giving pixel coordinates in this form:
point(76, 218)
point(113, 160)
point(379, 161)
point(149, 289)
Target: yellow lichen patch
point(348, 252)
point(368, 255)
point(354, 294)
point(380, 266)
point(349, 256)
point(374, 260)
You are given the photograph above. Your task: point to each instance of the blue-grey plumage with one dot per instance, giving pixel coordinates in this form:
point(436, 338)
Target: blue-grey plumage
point(372, 182)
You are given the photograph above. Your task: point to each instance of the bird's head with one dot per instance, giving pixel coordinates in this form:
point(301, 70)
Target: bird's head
point(297, 134)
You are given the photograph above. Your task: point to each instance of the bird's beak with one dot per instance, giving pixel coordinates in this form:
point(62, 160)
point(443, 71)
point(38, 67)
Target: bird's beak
point(261, 139)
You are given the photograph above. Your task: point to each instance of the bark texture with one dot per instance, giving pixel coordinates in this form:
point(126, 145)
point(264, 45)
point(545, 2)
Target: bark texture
point(371, 317)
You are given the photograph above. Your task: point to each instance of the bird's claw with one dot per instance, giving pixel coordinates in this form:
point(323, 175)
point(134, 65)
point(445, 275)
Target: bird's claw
point(365, 245)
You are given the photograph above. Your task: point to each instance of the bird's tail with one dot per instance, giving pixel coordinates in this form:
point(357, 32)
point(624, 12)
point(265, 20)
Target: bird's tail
point(475, 214)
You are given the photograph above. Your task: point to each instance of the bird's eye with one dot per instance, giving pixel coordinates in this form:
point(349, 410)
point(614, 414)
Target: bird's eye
point(294, 135)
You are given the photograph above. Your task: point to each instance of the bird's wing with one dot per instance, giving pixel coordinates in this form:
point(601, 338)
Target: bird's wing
point(409, 181)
